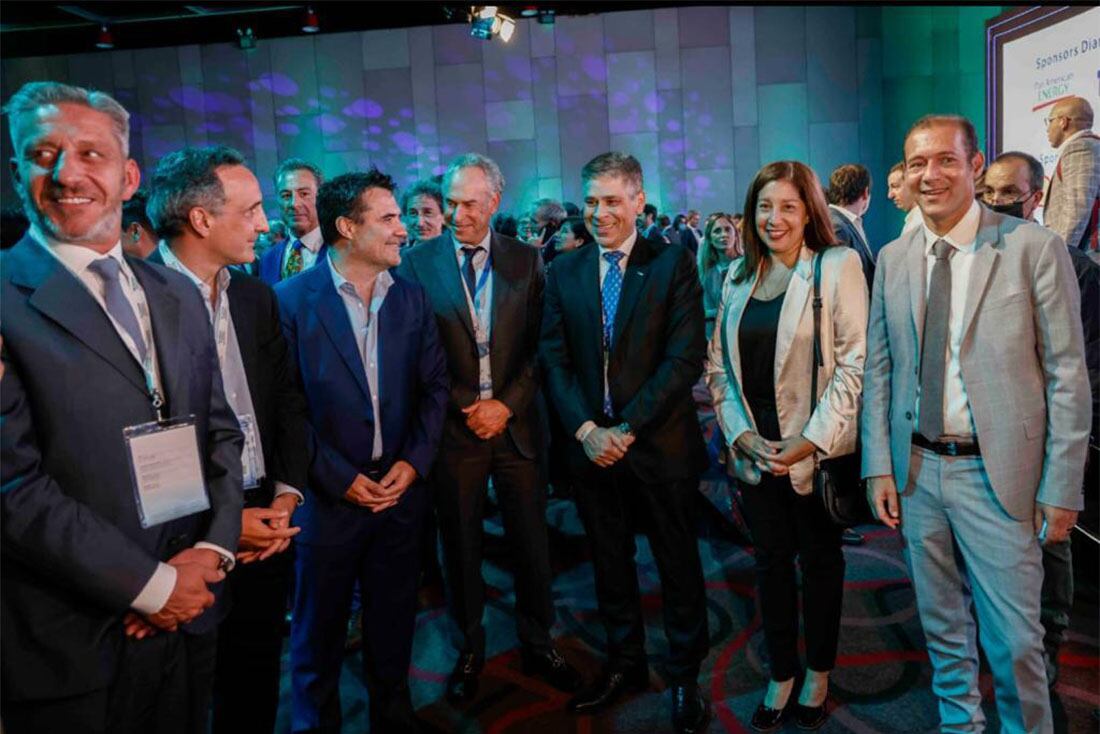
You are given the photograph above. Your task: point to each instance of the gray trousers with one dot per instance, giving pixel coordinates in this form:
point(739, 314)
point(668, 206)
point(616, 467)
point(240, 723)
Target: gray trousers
point(963, 548)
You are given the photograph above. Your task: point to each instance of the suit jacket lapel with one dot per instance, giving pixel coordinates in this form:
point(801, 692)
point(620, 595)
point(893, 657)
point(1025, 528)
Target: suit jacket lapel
point(916, 264)
point(244, 326)
point(506, 308)
point(794, 303)
point(586, 291)
point(985, 256)
point(330, 310)
point(444, 267)
point(164, 312)
point(62, 298)
point(634, 280)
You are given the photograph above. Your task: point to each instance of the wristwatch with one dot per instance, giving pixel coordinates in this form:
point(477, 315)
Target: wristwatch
point(224, 563)
point(624, 427)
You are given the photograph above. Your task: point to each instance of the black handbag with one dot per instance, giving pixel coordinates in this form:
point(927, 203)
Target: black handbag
point(836, 481)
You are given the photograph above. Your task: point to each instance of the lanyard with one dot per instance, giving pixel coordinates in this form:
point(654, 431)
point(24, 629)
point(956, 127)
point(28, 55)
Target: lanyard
point(482, 279)
point(150, 384)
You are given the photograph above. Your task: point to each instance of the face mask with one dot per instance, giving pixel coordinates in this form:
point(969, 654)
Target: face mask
point(1014, 209)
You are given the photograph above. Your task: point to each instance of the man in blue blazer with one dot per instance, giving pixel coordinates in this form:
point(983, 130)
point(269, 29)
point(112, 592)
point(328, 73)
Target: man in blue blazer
point(296, 183)
point(375, 378)
point(95, 342)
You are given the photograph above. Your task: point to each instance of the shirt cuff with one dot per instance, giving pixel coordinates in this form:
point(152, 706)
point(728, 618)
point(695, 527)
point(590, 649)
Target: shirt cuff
point(157, 589)
point(281, 489)
point(220, 551)
point(586, 428)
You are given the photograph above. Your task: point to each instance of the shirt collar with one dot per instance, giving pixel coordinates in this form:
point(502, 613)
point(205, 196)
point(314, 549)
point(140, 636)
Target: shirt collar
point(845, 213)
point(626, 247)
point(1071, 138)
point(961, 236)
point(221, 281)
point(343, 285)
point(77, 258)
point(312, 240)
point(483, 244)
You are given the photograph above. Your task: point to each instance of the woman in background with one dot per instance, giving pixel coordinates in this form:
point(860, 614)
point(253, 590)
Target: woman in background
point(721, 245)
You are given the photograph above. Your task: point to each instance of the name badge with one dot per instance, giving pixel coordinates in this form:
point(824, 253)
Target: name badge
point(166, 470)
point(251, 458)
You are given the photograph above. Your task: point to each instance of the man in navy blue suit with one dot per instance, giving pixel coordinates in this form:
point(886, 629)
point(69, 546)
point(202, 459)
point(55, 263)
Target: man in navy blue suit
point(377, 416)
point(297, 182)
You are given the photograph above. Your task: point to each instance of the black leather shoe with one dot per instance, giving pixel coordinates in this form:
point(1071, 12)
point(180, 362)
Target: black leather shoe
point(462, 685)
point(810, 717)
point(608, 688)
point(766, 719)
point(551, 667)
point(851, 537)
point(690, 711)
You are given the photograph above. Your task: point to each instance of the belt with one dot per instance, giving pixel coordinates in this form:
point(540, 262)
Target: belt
point(948, 448)
point(374, 471)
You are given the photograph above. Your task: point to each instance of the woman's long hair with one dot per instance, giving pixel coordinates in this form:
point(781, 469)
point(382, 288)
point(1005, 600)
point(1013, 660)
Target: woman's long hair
point(707, 257)
point(819, 229)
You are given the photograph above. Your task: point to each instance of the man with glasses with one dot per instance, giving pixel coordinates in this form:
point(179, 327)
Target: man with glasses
point(1072, 204)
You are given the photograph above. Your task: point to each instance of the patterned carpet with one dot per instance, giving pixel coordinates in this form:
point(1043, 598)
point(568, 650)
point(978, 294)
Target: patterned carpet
point(882, 682)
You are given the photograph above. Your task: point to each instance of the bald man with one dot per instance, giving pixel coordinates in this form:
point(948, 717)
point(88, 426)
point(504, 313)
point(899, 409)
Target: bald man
point(1072, 205)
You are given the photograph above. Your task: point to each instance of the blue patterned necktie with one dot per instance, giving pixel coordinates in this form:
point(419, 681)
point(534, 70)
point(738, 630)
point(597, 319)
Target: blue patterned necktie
point(612, 289)
point(115, 300)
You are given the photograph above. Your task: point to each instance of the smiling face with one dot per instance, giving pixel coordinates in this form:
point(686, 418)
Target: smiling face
point(297, 191)
point(376, 233)
point(423, 218)
point(469, 204)
point(611, 206)
point(234, 229)
point(781, 217)
point(71, 173)
point(940, 172)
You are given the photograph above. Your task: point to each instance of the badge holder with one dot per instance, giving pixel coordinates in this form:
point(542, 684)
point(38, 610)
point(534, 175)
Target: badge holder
point(165, 466)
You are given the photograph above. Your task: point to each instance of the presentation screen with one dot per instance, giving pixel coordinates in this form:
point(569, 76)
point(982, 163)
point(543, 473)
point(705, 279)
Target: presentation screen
point(1036, 57)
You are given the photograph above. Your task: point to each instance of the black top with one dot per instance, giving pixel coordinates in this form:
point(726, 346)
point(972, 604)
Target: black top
point(756, 342)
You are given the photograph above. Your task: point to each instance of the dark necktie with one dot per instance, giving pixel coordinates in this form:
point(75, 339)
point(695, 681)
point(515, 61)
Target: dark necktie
point(294, 260)
point(117, 306)
point(933, 358)
point(468, 273)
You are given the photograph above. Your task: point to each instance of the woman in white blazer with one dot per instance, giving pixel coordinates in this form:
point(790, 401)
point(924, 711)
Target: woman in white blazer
point(758, 370)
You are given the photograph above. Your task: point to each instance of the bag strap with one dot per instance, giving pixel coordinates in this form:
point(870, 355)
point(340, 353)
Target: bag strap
point(818, 358)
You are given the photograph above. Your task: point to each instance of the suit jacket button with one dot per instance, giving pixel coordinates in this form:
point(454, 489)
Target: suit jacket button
point(908, 415)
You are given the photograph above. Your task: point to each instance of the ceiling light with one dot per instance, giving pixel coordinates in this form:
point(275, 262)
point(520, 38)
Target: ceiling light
point(529, 11)
point(246, 39)
point(546, 16)
point(105, 39)
point(507, 28)
point(310, 23)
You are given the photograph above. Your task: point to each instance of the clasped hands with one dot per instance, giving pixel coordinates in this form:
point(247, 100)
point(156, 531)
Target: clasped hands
point(487, 418)
point(266, 531)
point(605, 446)
point(774, 457)
point(383, 494)
point(190, 597)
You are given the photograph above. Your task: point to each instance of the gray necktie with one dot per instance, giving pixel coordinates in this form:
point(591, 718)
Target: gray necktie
point(933, 356)
point(117, 305)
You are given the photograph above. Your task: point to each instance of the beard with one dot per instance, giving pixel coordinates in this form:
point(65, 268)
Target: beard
point(101, 229)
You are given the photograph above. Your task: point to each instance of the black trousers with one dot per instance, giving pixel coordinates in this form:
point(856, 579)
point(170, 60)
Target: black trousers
point(785, 524)
point(249, 648)
point(609, 501)
point(460, 480)
point(153, 693)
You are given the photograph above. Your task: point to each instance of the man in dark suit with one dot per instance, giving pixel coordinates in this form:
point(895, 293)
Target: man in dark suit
point(378, 416)
point(486, 290)
point(208, 208)
point(94, 343)
point(849, 196)
point(296, 184)
point(691, 236)
point(622, 345)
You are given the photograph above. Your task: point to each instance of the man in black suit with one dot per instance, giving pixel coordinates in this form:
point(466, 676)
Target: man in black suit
point(486, 290)
point(622, 345)
point(208, 209)
point(96, 343)
point(849, 196)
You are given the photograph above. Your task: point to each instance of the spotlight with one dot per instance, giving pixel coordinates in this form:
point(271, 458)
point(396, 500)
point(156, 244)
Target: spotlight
point(529, 11)
point(246, 39)
point(507, 28)
point(482, 28)
point(486, 22)
point(105, 39)
point(310, 23)
point(546, 16)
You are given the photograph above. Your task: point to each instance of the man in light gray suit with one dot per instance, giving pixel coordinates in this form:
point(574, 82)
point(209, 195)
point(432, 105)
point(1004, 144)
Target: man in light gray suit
point(975, 405)
point(1072, 204)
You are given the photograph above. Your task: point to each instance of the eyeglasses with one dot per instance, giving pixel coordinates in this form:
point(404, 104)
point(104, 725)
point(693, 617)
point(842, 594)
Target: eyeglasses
point(1052, 118)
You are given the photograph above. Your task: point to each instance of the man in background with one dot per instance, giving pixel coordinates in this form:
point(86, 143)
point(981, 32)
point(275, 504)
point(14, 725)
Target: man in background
point(1072, 206)
point(902, 197)
point(422, 211)
point(849, 195)
point(296, 185)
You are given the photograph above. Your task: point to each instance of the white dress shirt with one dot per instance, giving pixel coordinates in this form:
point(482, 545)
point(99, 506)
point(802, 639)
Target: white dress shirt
point(626, 248)
point(913, 219)
point(234, 378)
point(311, 246)
point(957, 418)
point(76, 258)
point(857, 222)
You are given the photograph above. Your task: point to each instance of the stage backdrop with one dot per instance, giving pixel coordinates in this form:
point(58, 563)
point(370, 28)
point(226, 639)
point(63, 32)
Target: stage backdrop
point(701, 95)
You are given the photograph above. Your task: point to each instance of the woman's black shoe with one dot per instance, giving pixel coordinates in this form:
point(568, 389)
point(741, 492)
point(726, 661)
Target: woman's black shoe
point(810, 717)
point(766, 719)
